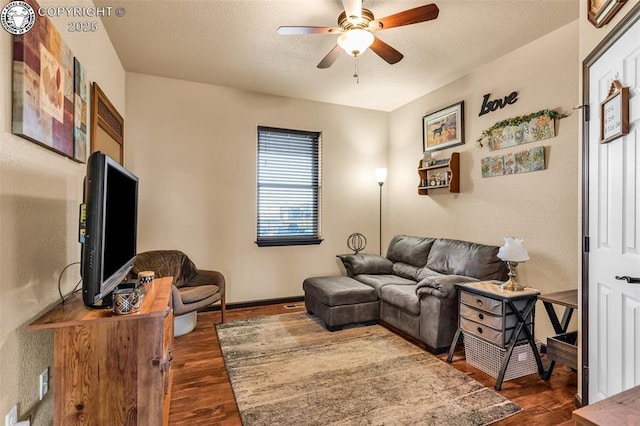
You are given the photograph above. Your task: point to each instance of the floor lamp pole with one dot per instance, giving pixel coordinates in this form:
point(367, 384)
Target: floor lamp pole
point(380, 183)
point(381, 175)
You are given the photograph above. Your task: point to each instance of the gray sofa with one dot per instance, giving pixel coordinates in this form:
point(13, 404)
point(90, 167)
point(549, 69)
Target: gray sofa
point(414, 285)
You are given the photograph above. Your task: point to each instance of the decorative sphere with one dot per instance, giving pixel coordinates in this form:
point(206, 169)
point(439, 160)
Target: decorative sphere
point(356, 242)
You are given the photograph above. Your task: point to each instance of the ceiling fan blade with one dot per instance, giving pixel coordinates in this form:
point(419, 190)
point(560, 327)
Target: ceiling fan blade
point(307, 30)
point(411, 16)
point(331, 57)
point(353, 8)
point(386, 52)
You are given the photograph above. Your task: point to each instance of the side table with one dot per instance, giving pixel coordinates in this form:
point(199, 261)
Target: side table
point(500, 317)
point(622, 409)
point(568, 299)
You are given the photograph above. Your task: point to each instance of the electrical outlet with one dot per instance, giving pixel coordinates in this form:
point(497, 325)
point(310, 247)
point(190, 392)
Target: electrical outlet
point(44, 383)
point(11, 419)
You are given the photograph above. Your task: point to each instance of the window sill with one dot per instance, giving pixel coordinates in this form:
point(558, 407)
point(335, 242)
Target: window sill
point(282, 242)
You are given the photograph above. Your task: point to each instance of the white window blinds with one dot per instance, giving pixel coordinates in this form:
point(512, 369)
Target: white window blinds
point(288, 187)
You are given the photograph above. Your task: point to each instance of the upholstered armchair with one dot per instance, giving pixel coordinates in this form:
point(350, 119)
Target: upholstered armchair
point(192, 288)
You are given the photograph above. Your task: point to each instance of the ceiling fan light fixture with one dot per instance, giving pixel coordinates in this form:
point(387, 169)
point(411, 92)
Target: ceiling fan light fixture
point(355, 41)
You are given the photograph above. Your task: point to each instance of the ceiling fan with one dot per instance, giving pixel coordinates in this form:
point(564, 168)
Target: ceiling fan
point(357, 26)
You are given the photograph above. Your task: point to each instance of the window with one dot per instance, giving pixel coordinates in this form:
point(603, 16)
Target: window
point(288, 187)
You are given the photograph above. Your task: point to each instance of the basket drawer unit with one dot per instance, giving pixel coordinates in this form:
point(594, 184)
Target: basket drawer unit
point(484, 318)
point(483, 303)
point(492, 315)
point(498, 337)
point(486, 304)
point(496, 329)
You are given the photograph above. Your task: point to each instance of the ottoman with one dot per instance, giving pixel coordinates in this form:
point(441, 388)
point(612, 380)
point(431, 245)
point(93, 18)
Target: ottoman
point(340, 300)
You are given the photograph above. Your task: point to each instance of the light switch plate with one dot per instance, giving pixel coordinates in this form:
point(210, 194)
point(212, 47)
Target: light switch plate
point(44, 383)
point(11, 419)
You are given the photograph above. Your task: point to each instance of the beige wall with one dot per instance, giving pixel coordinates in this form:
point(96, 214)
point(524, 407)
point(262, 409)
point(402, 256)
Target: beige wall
point(39, 196)
point(540, 207)
point(193, 147)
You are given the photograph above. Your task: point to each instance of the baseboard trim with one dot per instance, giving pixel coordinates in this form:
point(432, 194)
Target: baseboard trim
point(577, 400)
point(255, 303)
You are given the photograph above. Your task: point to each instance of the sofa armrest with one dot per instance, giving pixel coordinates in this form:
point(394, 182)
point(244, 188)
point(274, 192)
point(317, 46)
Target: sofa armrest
point(442, 286)
point(365, 263)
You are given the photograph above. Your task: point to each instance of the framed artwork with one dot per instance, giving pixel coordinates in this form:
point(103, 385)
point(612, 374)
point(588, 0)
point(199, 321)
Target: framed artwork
point(600, 12)
point(614, 113)
point(80, 119)
point(520, 130)
point(43, 87)
point(443, 128)
point(531, 160)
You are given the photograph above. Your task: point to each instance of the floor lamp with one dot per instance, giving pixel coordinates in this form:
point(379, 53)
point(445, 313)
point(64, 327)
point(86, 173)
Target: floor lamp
point(381, 175)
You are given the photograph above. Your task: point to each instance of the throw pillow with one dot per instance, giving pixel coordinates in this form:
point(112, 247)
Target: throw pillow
point(365, 263)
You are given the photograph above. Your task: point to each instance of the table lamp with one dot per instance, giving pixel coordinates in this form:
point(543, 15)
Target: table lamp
point(512, 253)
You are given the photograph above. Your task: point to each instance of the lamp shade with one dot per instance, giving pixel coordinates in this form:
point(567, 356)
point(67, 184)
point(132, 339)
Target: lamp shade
point(355, 41)
point(381, 174)
point(512, 250)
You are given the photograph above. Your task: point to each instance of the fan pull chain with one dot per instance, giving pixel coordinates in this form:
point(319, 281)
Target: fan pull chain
point(356, 73)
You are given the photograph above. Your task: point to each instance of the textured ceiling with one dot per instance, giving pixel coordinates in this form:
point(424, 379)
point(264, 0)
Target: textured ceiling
point(234, 43)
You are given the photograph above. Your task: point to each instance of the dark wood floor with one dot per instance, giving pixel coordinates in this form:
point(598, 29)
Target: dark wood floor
point(202, 394)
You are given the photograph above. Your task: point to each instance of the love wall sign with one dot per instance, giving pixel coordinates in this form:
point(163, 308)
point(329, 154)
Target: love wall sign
point(496, 104)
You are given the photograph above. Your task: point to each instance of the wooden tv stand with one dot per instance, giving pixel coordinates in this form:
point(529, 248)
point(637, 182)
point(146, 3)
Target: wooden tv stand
point(108, 368)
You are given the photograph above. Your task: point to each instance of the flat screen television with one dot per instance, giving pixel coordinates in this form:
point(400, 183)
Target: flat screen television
point(109, 248)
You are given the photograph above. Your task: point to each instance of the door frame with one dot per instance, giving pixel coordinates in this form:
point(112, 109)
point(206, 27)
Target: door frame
point(627, 22)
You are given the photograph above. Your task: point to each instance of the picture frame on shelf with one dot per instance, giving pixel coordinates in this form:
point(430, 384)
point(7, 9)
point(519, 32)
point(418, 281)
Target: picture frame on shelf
point(444, 128)
point(614, 113)
point(600, 12)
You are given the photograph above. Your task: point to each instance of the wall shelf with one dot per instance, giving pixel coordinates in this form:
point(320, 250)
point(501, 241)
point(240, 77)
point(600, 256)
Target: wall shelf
point(449, 172)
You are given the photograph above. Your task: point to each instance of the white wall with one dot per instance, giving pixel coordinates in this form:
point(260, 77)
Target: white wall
point(540, 207)
point(193, 146)
point(39, 196)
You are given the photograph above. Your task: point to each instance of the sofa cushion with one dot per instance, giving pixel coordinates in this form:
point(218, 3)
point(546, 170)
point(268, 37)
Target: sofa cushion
point(196, 294)
point(379, 281)
point(426, 272)
point(407, 271)
point(338, 290)
point(365, 263)
point(408, 249)
point(457, 257)
point(402, 296)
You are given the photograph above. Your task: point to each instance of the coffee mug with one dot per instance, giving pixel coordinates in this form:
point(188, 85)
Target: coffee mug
point(146, 277)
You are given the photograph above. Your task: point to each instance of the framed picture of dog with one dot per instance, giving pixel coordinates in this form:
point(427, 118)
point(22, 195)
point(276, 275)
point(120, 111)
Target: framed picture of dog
point(443, 128)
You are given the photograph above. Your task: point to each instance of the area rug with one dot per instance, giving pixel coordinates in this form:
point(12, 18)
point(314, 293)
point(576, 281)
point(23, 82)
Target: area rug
point(289, 370)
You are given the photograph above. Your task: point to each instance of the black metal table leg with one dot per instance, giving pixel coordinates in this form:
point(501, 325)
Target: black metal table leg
point(521, 316)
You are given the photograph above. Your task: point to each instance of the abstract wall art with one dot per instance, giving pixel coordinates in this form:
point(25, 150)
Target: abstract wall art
point(43, 87)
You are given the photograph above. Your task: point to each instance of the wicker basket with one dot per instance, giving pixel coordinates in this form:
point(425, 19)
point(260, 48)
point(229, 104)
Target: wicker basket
point(488, 358)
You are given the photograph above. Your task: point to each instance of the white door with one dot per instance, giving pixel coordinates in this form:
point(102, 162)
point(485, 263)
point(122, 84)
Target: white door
point(614, 228)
